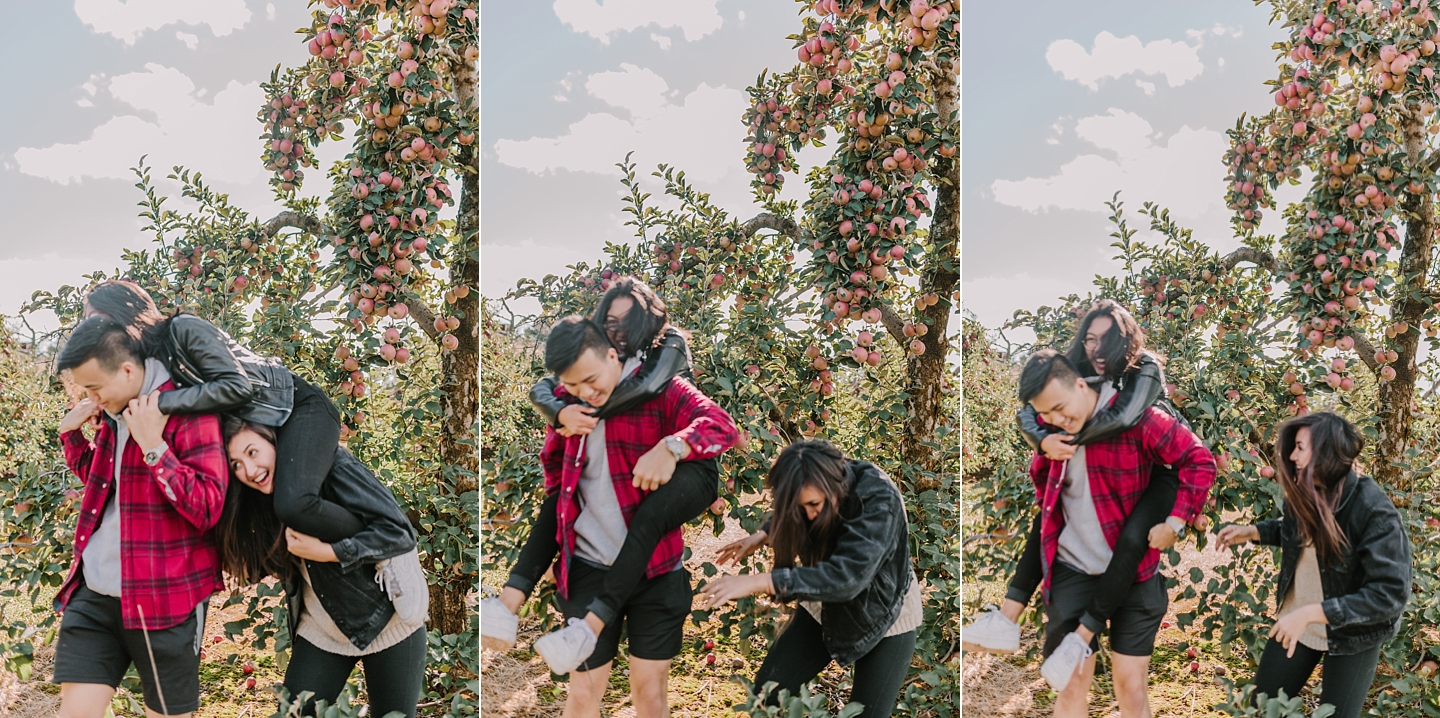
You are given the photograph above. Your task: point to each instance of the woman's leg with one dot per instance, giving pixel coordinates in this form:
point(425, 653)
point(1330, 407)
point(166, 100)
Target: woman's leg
point(395, 676)
point(880, 673)
point(321, 672)
point(686, 495)
point(304, 452)
point(796, 657)
point(1028, 573)
point(1154, 506)
point(539, 550)
point(1345, 681)
point(1279, 672)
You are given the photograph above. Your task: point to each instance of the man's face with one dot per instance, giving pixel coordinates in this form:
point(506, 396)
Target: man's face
point(593, 376)
point(1066, 404)
point(112, 390)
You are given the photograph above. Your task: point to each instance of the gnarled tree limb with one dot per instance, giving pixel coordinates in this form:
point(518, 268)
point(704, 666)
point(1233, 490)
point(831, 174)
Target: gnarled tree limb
point(765, 220)
point(1248, 254)
point(295, 220)
point(894, 324)
point(1366, 350)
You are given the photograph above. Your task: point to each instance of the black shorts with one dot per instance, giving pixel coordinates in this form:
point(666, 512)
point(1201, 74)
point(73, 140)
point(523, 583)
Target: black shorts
point(1133, 625)
point(93, 648)
point(653, 617)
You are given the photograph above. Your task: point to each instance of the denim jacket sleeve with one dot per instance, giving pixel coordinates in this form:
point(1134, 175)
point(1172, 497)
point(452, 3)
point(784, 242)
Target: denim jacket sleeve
point(1270, 532)
point(1382, 553)
point(224, 384)
point(863, 540)
point(387, 531)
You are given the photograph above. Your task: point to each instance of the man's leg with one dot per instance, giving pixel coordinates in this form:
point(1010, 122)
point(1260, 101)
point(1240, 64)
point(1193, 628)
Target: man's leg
point(1132, 684)
point(587, 691)
point(1074, 701)
point(90, 658)
point(1132, 639)
point(84, 700)
point(649, 689)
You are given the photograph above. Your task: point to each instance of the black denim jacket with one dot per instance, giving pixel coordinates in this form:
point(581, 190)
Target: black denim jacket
point(1141, 387)
point(862, 584)
point(214, 374)
point(660, 365)
point(347, 590)
point(1365, 596)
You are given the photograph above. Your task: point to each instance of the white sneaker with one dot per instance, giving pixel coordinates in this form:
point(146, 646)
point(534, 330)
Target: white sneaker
point(497, 625)
point(565, 649)
point(1065, 661)
point(992, 632)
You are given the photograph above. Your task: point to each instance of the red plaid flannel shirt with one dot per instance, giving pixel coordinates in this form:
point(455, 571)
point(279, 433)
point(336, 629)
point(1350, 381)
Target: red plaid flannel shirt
point(169, 561)
point(1119, 471)
point(681, 410)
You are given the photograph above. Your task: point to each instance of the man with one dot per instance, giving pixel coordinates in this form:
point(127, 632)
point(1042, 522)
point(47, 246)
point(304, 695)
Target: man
point(595, 484)
point(145, 562)
point(1084, 503)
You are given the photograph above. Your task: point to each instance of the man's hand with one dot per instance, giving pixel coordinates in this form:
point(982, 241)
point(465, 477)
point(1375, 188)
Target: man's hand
point(737, 550)
point(1235, 534)
point(576, 420)
point(309, 547)
point(146, 423)
point(1162, 536)
point(654, 468)
point(86, 411)
point(728, 588)
point(1057, 447)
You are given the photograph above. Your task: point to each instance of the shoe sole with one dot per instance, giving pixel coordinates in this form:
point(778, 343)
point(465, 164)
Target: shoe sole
point(496, 644)
point(977, 648)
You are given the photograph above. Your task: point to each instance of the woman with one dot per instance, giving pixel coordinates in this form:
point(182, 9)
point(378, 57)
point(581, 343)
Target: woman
point(637, 323)
point(1109, 343)
point(1344, 569)
point(371, 604)
point(840, 539)
point(216, 375)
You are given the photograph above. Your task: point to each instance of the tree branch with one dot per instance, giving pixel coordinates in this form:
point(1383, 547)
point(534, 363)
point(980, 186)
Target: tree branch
point(1248, 254)
point(307, 222)
point(894, 324)
point(765, 220)
point(423, 315)
point(1366, 350)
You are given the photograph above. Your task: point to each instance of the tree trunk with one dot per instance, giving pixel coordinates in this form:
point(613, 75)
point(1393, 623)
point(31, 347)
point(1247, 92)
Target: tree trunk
point(1397, 397)
point(925, 372)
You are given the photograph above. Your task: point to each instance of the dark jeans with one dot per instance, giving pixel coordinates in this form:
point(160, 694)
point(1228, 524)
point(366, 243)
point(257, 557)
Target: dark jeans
point(304, 453)
point(686, 495)
point(393, 677)
point(799, 655)
point(1154, 506)
point(1345, 679)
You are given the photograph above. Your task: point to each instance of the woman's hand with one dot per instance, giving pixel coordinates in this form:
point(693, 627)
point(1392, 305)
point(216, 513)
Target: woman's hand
point(309, 547)
point(728, 588)
point(1057, 448)
point(576, 420)
point(86, 411)
point(737, 550)
point(1289, 628)
point(1235, 534)
point(146, 423)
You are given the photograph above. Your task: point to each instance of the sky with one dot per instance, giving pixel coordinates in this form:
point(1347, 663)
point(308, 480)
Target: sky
point(569, 87)
point(1086, 99)
point(98, 83)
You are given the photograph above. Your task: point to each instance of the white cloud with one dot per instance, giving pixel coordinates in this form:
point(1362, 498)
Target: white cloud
point(128, 20)
point(84, 102)
point(1220, 62)
point(48, 271)
point(697, 18)
point(700, 135)
point(1184, 174)
point(1114, 57)
point(183, 132)
point(1148, 87)
point(270, 11)
point(636, 89)
point(661, 40)
point(191, 41)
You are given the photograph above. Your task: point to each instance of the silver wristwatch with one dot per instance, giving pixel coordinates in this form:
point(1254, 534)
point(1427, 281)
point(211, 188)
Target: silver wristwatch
point(676, 446)
point(153, 456)
point(1180, 529)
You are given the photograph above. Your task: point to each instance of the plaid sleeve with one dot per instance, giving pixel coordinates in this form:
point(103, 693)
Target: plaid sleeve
point(706, 428)
point(552, 460)
point(1039, 475)
point(1169, 442)
point(79, 453)
point(193, 474)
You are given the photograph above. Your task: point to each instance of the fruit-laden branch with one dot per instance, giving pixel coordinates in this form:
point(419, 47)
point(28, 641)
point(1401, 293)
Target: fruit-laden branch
point(894, 324)
point(1366, 350)
point(423, 316)
point(765, 220)
point(294, 220)
point(1248, 254)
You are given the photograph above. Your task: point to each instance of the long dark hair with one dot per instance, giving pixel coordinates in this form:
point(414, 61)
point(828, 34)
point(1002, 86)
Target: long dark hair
point(251, 537)
point(1312, 494)
point(128, 303)
point(1121, 347)
point(643, 326)
point(814, 463)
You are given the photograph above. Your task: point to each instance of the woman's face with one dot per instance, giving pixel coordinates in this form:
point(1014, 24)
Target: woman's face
point(1094, 335)
point(614, 316)
point(252, 460)
point(812, 500)
point(1301, 454)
